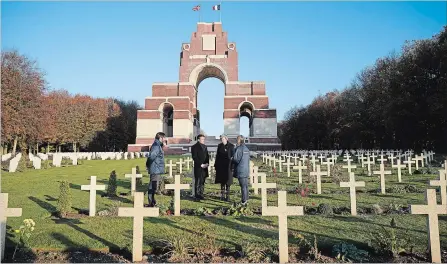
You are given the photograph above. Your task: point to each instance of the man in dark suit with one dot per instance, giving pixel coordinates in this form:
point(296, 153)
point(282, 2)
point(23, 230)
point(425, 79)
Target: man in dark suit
point(201, 159)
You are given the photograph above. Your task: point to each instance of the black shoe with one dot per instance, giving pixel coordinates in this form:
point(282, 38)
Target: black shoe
point(200, 197)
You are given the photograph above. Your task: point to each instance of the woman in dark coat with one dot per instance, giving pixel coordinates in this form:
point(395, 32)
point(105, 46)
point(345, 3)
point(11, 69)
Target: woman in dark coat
point(223, 166)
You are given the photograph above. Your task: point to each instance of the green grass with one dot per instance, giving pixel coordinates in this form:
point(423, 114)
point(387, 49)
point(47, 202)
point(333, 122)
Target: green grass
point(36, 191)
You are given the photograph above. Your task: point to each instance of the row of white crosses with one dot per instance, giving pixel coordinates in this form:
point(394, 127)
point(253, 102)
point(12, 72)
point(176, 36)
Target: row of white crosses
point(180, 163)
point(138, 212)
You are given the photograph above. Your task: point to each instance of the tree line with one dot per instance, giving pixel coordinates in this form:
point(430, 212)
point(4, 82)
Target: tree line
point(33, 116)
point(398, 103)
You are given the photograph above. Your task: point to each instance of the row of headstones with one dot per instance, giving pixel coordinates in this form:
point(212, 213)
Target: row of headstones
point(74, 156)
point(179, 165)
point(285, 160)
point(315, 155)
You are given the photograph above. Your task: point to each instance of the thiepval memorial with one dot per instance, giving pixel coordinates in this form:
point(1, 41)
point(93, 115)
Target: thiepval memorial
point(173, 108)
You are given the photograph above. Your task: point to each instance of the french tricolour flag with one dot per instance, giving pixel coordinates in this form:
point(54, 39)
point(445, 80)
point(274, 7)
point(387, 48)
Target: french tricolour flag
point(216, 7)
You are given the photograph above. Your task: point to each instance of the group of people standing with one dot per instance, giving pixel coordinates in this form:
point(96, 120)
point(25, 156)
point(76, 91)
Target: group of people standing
point(231, 162)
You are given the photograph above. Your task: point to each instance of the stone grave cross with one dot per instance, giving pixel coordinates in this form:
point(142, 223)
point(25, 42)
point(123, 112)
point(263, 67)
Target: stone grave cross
point(283, 211)
point(399, 168)
point(321, 157)
point(4, 213)
point(300, 169)
point(391, 158)
point(369, 161)
point(170, 165)
point(409, 162)
point(382, 174)
point(382, 159)
point(180, 163)
point(138, 212)
point(328, 164)
point(177, 187)
point(133, 179)
point(318, 173)
point(432, 209)
point(264, 185)
point(313, 160)
point(442, 183)
point(288, 166)
point(349, 166)
point(188, 160)
point(92, 188)
point(352, 184)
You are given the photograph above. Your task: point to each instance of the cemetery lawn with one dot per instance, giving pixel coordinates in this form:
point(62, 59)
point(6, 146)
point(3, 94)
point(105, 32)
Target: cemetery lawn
point(37, 191)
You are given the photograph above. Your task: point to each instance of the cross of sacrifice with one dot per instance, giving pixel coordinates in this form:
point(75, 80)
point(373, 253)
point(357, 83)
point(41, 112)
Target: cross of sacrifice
point(352, 184)
point(283, 211)
point(313, 162)
point(382, 174)
point(442, 183)
point(399, 168)
point(369, 161)
point(92, 188)
point(382, 159)
point(170, 165)
point(4, 213)
point(138, 212)
point(264, 185)
point(188, 160)
point(318, 173)
point(133, 182)
point(288, 166)
point(177, 187)
point(409, 162)
point(432, 209)
point(180, 163)
point(300, 169)
point(328, 164)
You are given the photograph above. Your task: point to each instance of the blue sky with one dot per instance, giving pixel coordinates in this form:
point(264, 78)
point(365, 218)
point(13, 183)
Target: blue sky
point(300, 49)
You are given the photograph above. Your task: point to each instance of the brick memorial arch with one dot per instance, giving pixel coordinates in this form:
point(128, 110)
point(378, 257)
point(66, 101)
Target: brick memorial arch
point(173, 108)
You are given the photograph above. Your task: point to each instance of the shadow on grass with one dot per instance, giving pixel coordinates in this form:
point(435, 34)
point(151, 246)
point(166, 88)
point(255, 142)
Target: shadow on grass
point(78, 253)
point(74, 223)
point(45, 205)
point(173, 224)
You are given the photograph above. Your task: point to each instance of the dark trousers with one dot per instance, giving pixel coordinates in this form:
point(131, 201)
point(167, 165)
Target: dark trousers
point(151, 190)
point(225, 190)
point(199, 185)
point(243, 182)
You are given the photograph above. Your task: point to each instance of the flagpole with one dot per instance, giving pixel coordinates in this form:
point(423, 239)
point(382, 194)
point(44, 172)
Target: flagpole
point(200, 13)
point(220, 12)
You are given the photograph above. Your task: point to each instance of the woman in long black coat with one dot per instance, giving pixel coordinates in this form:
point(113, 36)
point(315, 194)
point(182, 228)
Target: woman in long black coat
point(223, 166)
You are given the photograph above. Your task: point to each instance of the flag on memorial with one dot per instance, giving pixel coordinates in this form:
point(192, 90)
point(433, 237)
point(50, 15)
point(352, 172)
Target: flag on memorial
point(196, 8)
point(216, 7)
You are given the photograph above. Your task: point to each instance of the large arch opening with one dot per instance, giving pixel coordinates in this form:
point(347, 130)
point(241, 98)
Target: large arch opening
point(210, 106)
point(246, 119)
point(209, 80)
point(167, 117)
